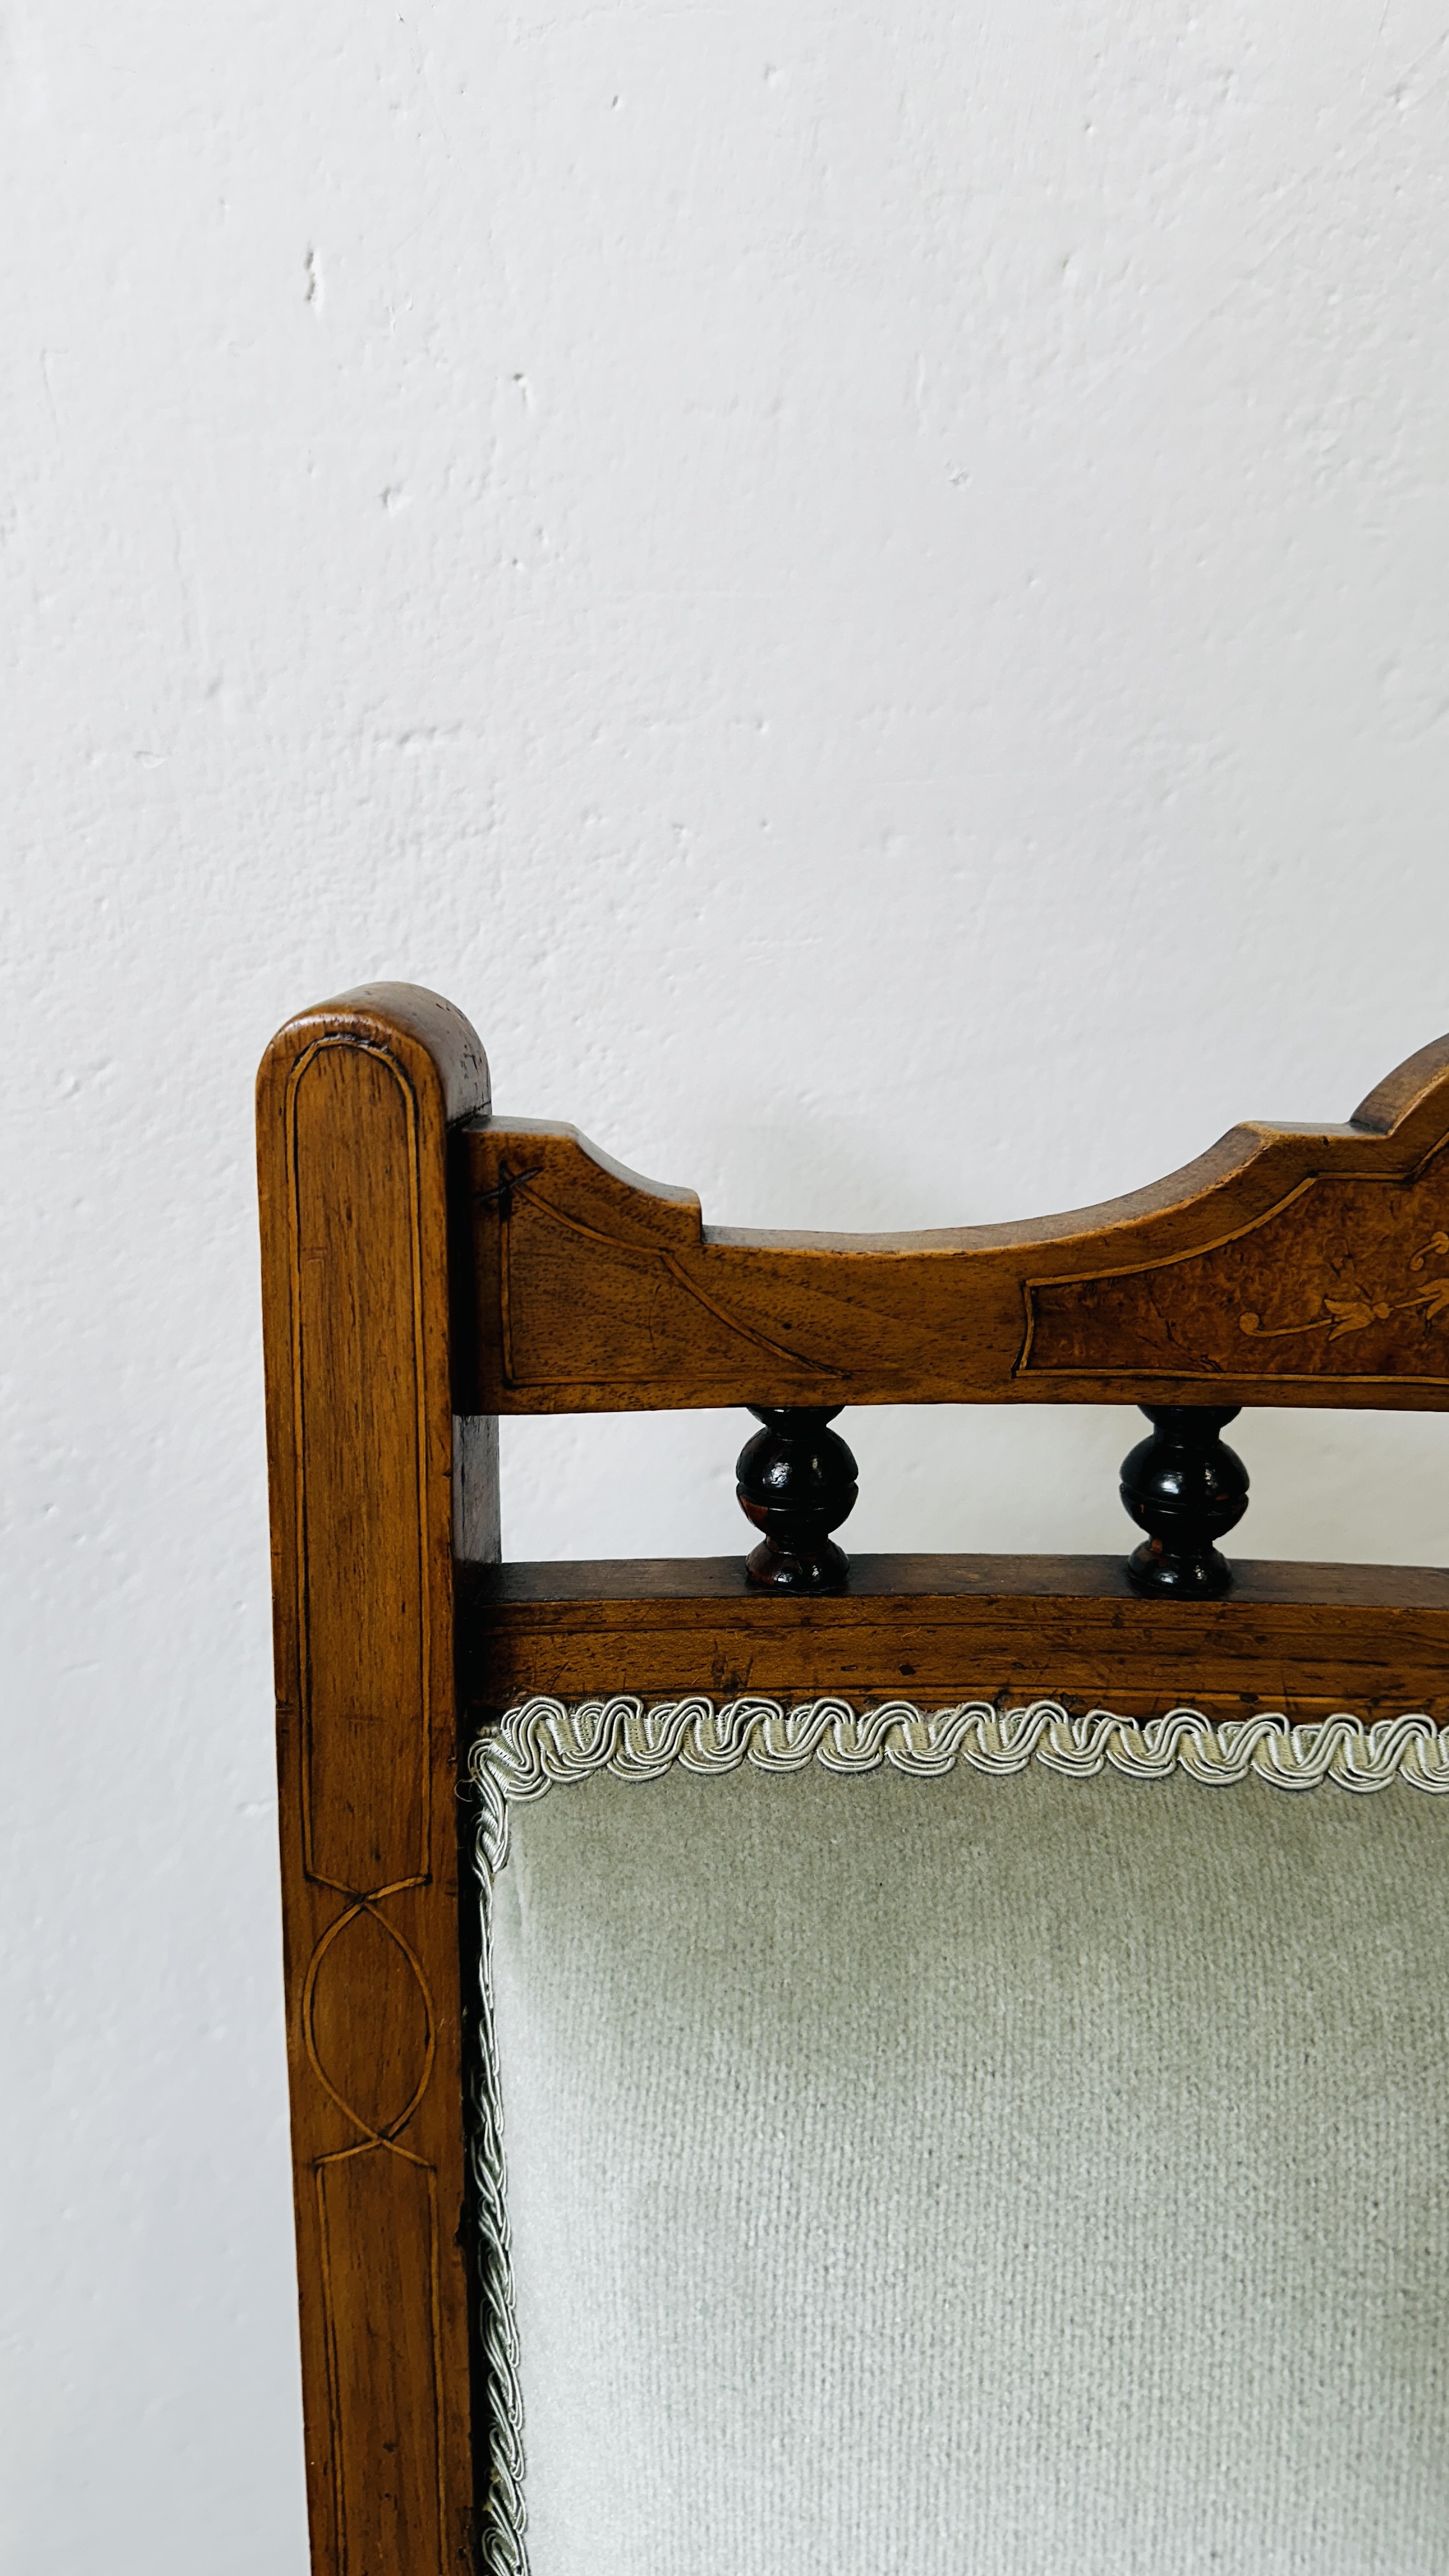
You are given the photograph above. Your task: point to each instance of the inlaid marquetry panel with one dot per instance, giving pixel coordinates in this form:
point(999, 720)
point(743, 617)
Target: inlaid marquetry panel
point(1345, 1279)
point(1287, 1266)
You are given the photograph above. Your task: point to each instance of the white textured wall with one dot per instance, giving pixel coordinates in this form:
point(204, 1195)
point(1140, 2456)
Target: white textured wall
point(866, 588)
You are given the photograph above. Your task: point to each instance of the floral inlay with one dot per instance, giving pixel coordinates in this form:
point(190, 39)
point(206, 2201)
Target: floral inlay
point(1361, 1307)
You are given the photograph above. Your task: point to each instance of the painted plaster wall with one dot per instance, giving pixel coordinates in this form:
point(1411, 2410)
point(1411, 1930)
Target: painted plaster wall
point(866, 589)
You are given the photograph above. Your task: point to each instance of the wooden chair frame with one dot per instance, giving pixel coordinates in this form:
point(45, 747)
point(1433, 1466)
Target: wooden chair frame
point(427, 1268)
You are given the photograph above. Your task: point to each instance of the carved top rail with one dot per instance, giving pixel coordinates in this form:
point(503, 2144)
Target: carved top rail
point(1286, 1266)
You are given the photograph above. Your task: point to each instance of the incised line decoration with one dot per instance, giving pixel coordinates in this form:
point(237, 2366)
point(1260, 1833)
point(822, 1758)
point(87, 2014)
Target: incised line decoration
point(374, 2139)
point(514, 1187)
point(370, 1906)
point(383, 1055)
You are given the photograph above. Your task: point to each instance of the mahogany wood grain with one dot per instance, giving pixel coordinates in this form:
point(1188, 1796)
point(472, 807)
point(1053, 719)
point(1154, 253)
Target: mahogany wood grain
point(1287, 1266)
point(355, 1099)
point(1303, 1639)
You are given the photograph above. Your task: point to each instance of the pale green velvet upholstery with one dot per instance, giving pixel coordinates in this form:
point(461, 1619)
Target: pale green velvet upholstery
point(978, 2177)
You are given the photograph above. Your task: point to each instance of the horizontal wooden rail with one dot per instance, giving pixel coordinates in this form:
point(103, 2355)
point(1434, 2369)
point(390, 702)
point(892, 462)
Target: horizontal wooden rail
point(1302, 1639)
point(1286, 1266)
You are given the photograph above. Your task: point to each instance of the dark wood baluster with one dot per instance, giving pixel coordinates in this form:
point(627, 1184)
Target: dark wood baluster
point(1186, 1488)
point(797, 1484)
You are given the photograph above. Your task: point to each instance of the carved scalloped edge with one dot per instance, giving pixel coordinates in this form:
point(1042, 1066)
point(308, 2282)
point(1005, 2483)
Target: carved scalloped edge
point(545, 1743)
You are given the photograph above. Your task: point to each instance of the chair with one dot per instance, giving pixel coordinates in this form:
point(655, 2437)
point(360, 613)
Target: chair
point(803, 2064)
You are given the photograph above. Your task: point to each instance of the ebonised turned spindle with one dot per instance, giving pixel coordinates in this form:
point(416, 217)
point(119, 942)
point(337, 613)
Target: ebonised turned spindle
point(797, 1484)
point(1186, 1488)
